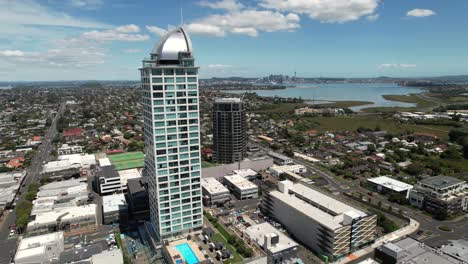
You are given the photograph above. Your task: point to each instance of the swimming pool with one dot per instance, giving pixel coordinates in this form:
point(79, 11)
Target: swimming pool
point(187, 253)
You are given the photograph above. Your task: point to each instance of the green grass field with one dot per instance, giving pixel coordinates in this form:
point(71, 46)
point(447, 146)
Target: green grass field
point(345, 104)
point(128, 160)
point(346, 123)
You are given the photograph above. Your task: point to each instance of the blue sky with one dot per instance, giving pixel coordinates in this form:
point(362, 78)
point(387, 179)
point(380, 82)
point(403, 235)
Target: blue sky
point(107, 39)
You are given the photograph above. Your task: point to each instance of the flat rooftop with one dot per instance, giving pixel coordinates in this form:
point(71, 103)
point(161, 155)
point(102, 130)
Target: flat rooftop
point(228, 100)
point(457, 248)
point(36, 241)
point(441, 182)
point(113, 203)
point(245, 172)
point(390, 183)
point(213, 186)
point(257, 233)
point(409, 250)
point(240, 182)
point(331, 214)
point(68, 213)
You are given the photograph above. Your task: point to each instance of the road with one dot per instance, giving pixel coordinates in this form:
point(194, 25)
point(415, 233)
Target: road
point(426, 223)
point(8, 245)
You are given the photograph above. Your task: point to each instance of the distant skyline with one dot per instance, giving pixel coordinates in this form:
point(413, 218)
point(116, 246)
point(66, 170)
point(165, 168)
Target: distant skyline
point(47, 40)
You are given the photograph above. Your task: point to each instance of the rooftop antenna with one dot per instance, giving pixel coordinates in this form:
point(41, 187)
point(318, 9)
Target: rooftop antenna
point(181, 14)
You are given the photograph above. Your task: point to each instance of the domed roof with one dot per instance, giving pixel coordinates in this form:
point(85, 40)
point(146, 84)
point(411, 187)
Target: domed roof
point(172, 43)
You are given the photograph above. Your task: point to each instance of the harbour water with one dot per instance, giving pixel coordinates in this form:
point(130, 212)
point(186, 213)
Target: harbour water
point(370, 92)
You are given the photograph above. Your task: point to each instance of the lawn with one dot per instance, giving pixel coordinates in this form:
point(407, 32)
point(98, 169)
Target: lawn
point(236, 257)
point(207, 164)
point(410, 98)
point(345, 123)
point(344, 104)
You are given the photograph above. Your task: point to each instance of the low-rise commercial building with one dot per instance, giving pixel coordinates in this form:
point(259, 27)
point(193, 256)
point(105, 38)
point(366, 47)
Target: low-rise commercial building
point(66, 149)
point(278, 247)
point(65, 191)
point(409, 250)
point(66, 219)
point(440, 194)
point(280, 159)
point(240, 187)
point(457, 249)
point(334, 228)
point(40, 249)
point(109, 180)
point(278, 170)
point(248, 174)
point(387, 185)
point(114, 209)
point(214, 193)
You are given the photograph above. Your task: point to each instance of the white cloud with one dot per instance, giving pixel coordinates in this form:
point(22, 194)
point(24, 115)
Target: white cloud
point(156, 30)
point(420, 13)
point(83, 50)
point(122, 33)
point(29, 13)
point(214, 66)
point(247, 22)
point(373, 17)
point(393, 65)
point(326, 11)
point(205, 29)
point(230, 5)
point(11, 53)
point(86, 4)
point(133, 51)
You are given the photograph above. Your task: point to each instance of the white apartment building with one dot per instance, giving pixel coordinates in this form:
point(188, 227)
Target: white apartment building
point(214, 193)
point(241, 188)
point(172, 169)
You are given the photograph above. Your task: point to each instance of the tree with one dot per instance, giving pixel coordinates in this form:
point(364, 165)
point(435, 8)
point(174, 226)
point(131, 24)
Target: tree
point(379, 204)
point(415, 169)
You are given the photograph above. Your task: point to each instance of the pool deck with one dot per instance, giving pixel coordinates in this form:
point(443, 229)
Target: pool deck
point(174, 252)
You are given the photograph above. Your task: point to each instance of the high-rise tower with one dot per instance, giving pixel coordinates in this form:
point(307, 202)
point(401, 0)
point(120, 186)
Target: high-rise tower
point(172, 136)
point(229, 131)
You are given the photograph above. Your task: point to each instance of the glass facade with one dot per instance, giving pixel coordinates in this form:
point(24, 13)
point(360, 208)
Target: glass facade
point(172, 162)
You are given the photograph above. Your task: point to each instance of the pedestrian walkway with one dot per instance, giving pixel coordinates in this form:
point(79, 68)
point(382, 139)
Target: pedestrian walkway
point(412, 227)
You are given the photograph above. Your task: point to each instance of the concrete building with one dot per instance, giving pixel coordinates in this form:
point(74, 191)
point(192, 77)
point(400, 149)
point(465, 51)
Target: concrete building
point(334, 228)
point(280, 159)
point(66, 149)
point(214, 193)
point(40, 249)
point(107, 257)
point(65, 191)
point(409, 250)
point(278, 247)
point(109, 181)
point(229, 131)
point(278, 170)
point(240, 187)
point(440, 194)
point(137, 198)
point(387, 185)
point(248, 174)
point(66, 219)
point(114, 209)
point(169, 81)
point(457, 249)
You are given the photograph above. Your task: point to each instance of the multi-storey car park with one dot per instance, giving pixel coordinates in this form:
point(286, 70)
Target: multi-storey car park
point(329, 227)
point(172, 136)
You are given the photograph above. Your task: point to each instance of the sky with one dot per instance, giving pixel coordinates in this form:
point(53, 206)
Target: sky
point(47, 40)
